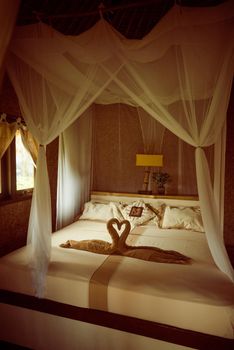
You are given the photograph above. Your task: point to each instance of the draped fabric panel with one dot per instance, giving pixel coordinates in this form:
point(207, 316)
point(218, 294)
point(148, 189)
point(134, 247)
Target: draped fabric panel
point(47, 110)
point(219, 178)
point(74, 169)
point(7, 133)
point(38, 231)
point(118, 135)
point(201, 122)
point(180, 74)
point(152, 133)
point(29, 143)
point(211, 217)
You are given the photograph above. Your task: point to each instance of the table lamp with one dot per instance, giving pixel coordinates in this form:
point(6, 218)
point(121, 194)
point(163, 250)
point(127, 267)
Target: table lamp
point(148, 161)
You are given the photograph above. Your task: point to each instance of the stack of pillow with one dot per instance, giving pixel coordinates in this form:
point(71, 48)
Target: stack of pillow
point(141, 213)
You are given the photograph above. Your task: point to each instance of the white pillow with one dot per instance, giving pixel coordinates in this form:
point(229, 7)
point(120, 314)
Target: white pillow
point(188, 218)
point(97, 211)
point(116, 211)
point(101, 211)
point(159, 211)
point(145, 213)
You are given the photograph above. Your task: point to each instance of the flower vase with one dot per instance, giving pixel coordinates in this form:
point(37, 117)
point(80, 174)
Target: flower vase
point(161, 189)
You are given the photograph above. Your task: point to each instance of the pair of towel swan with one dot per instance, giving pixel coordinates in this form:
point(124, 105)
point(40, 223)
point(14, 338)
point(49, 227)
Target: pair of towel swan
point(119, 246)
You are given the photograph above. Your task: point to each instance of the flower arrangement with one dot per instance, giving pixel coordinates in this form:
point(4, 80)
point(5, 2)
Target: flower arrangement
point(161, 179)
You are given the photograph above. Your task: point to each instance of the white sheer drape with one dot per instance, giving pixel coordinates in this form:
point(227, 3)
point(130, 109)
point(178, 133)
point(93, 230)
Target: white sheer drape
point(201, 125)
point(176, 74)
point(47, 111)
point(29, 143)
point(39, 231)
point(152, 135)
point(74, 169)
point(219, 176)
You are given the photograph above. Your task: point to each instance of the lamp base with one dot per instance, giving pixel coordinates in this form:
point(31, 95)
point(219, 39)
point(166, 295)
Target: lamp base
point(144, 192)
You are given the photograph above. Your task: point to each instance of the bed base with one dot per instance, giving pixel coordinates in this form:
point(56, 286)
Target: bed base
point(128, 324)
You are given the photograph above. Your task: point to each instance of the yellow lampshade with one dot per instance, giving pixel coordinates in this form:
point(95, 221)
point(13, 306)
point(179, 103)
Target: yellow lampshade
point(149, 160)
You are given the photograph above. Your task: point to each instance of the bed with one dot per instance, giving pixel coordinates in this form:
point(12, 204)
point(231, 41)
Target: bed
point(112, 301)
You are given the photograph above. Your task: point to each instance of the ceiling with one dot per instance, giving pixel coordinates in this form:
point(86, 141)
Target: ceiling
point(132, 18)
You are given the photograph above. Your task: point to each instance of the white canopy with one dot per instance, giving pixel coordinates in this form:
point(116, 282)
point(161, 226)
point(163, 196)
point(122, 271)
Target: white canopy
point(180, 73)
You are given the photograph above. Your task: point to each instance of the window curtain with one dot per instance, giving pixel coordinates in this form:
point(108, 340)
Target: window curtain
point(7, 133)
point(8, 13)
point(74, 169)
point(176, 74)
point(29, 143)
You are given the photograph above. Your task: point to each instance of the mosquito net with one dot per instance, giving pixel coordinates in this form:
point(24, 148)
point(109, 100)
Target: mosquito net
point(180, 74)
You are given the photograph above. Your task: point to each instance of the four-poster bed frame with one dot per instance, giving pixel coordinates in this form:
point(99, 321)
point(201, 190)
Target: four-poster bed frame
point(27, 311)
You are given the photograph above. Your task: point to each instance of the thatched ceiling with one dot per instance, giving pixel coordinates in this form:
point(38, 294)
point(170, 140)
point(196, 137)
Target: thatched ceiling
point(133, 18)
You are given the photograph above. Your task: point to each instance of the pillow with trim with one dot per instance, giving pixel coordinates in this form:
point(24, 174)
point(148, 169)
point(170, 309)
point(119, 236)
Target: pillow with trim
point(158, 210)
point(146, 215)
point(97, 211)
point(188, 218)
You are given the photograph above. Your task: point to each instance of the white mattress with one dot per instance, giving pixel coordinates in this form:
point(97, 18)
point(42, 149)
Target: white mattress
point(198, 297)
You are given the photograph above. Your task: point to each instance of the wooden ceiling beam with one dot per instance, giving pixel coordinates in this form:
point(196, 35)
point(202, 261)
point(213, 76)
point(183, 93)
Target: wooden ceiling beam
point(101, 9)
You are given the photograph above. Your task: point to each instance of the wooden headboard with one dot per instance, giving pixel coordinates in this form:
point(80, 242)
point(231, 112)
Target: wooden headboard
point(188, 201)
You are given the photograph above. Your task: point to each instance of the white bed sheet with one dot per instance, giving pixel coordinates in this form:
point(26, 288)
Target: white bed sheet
point(198, 297)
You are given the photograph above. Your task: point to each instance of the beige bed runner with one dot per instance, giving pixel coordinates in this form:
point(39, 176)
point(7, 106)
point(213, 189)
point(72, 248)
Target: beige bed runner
point(98, 285)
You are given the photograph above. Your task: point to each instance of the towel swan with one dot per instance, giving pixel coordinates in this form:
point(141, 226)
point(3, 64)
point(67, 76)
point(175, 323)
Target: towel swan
point(119, 246)
point(150, 253)
point(96, 245)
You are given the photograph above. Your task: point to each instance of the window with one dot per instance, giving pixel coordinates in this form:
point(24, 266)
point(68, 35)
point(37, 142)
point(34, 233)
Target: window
point(24, 165)
point(16, 170)
point(3, 175)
